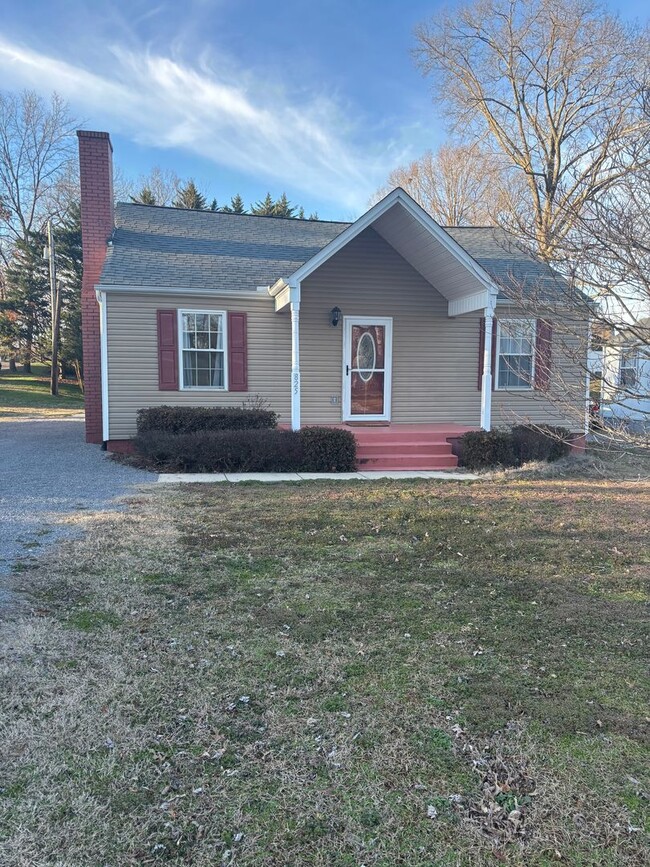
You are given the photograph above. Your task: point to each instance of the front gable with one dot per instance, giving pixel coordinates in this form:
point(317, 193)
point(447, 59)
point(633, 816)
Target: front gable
point(418, 239)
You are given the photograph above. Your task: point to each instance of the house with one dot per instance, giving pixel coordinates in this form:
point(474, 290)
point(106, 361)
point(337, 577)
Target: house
point(625, 378)
point(392, 324)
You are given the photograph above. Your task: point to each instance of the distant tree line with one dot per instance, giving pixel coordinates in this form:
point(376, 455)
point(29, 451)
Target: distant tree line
point(39, 182)
point(166, 188)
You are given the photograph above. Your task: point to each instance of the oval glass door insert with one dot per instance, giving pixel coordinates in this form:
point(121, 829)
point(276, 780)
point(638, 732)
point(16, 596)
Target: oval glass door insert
point(366, 356)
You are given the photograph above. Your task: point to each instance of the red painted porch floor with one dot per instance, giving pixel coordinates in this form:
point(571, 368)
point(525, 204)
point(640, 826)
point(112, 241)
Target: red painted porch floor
point(405, 446)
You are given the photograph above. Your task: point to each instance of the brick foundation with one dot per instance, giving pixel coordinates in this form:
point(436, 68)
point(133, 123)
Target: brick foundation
point(120, 447)
point(578, 443)
point(96, 183)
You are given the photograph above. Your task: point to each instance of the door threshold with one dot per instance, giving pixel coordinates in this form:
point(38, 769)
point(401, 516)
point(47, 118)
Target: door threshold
point(367, 423)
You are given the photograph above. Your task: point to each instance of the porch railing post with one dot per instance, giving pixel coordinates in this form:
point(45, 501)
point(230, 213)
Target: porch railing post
point(294, 303)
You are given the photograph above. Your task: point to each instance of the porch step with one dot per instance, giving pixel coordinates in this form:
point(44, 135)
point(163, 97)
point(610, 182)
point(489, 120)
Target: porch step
point(381, 447)
point(410, 461)
point(406, 448)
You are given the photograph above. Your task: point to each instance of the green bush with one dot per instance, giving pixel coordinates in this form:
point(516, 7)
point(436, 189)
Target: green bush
point(218, 451)
point(512, 447)
point(479, 449)
point(540, 443)
point(190, 419)
point(261, 450)
point(328, 450)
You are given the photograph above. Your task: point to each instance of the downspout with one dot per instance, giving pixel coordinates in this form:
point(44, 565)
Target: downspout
point(103, 346)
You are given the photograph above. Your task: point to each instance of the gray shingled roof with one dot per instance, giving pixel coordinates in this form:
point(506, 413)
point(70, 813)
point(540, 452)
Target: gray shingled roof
point(167, 247)
point(206, 250)
point(498, 253)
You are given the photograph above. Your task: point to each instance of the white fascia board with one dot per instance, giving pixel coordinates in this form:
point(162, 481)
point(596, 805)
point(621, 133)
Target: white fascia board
point(398, 195)
point(260, 292)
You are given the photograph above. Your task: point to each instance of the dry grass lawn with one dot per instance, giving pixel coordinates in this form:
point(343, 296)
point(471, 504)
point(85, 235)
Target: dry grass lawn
point(335, 674)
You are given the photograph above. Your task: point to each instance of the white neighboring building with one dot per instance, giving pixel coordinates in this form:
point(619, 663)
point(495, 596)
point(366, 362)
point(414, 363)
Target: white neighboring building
point(626, 378)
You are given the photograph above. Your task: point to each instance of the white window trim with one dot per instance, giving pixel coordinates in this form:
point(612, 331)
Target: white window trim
point(210, 388)
point(530, 387)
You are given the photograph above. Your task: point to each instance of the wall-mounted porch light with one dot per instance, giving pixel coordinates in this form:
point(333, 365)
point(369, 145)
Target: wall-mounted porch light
point(335, 316)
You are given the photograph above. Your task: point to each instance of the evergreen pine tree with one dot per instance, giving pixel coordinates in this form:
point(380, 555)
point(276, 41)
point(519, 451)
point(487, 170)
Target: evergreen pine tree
point(189, 197)
point(265, 208)
point(25, 310)
point(313, 215)
point(67, 240)
point(213, 205)
point(237, 205)
point(301, 213)
point(283, 208)
point(144, 197)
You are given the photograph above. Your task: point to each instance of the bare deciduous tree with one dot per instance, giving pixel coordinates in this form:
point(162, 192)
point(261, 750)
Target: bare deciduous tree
point(36, 156)
point(605, 261)
point(458, 185)
point(161, 186)
point(551, 85)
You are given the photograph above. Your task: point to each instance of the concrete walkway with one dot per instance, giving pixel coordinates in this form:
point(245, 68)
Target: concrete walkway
point(367, 476)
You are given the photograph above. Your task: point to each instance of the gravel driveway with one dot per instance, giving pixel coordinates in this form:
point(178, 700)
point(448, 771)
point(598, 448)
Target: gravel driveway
point(47, 471)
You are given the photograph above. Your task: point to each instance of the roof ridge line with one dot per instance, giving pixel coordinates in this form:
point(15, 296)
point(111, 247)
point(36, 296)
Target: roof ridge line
point(227, 214)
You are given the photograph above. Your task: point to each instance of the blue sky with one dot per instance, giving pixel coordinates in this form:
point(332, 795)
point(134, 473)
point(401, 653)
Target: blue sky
point(318, 98)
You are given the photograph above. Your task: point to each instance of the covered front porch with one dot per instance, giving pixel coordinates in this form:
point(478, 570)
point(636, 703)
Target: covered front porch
point(388, 323)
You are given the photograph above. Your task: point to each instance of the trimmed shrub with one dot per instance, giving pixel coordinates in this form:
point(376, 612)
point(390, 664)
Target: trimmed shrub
point(189, 419)
point(245, 451)
point(261, 451)
point(540, 443)
point(512, 448)
point(479, 449)
point(328, 450)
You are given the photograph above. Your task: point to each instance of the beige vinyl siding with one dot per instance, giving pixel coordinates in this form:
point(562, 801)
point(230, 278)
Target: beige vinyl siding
point(564, 402)
point(435, 358)
point(133, 356)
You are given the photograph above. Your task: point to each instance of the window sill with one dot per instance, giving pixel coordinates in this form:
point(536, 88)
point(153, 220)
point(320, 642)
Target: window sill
point(515, 388)
point(202, 388)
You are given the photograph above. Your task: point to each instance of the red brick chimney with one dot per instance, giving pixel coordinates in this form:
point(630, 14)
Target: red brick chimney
point(96, 180)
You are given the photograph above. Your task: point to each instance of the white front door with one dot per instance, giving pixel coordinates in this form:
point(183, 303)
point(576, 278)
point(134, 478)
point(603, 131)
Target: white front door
point(367, 368)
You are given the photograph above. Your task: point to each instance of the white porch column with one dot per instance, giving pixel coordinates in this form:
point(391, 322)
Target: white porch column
point(294, 303)
point(486, 382)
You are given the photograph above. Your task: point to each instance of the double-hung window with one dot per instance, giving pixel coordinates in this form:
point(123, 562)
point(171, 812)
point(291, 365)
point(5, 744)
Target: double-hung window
point(203, 349)
point(629, 369)
point(515, 353)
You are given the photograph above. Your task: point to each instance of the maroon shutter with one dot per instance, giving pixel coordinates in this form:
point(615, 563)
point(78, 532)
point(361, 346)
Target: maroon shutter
point(167, 350)
point(494, 353)
point(543, 344)
point(481, 351)
point(237, 352)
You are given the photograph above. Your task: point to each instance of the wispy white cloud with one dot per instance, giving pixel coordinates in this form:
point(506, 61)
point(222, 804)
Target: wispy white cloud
point(215, 110)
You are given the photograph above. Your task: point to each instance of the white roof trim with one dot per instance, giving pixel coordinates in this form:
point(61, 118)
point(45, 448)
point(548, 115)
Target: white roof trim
point(260, 292)
point(398, 195)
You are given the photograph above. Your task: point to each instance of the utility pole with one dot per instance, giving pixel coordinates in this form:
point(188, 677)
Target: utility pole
point(55, 293)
